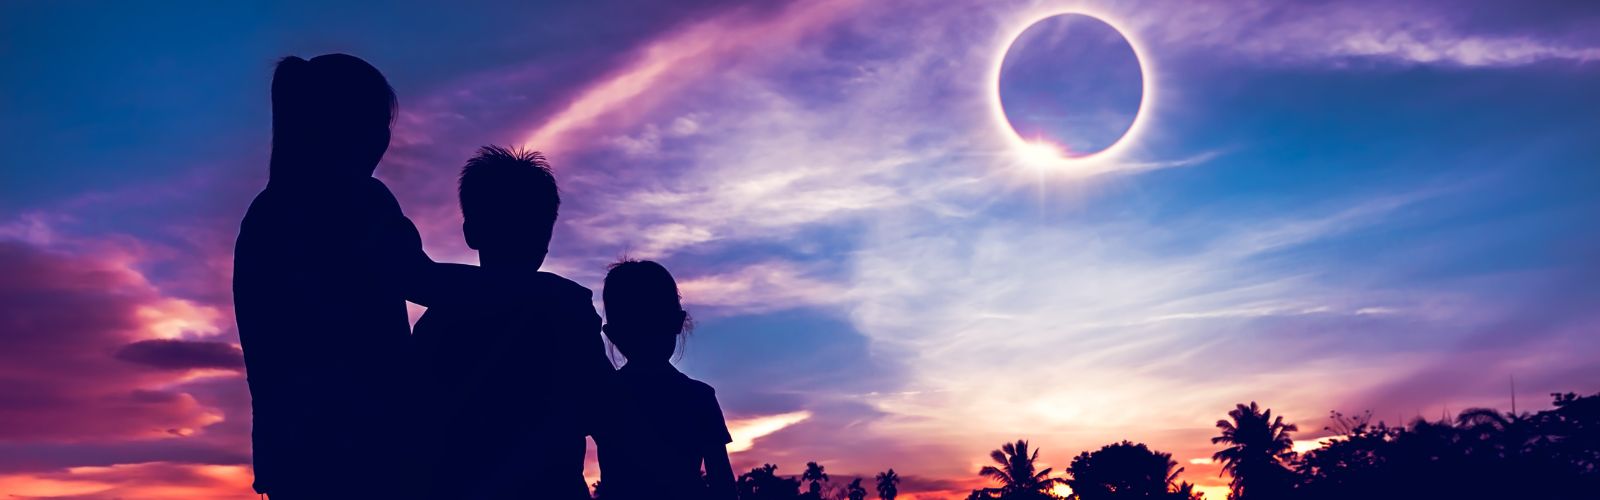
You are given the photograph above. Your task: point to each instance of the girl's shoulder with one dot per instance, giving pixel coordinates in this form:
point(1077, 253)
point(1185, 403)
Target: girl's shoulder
point(668, 380)
point(700, 390)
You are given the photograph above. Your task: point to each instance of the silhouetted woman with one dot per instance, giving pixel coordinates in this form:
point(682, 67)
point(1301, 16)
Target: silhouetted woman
point(324, 264)
point(662, 424)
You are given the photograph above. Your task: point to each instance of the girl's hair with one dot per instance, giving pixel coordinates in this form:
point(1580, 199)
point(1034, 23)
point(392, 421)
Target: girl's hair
point(333, 111)
point(649, 284)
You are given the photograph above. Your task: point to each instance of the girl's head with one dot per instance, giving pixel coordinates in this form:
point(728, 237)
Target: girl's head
point(330, 118)
point(644, 314)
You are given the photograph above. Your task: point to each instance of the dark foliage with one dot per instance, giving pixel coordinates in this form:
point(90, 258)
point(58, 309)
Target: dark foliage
point(1126, 471)
point(888, 485)
point(855, 491)
point(1259, 450)
point(1481, 454)
point(764, 483)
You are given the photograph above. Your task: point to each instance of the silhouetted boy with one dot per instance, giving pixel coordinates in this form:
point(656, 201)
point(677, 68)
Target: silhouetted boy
point(507, 382)
point(661, 426)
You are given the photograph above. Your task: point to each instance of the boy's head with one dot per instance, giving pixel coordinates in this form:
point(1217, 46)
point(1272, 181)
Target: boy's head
point(508, 205)
point(644, 314)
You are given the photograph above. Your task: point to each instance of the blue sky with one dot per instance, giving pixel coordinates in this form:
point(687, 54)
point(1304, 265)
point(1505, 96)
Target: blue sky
point(1326, 206)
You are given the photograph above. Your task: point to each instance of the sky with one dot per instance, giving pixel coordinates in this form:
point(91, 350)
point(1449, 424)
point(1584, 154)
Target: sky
point(1319, 206)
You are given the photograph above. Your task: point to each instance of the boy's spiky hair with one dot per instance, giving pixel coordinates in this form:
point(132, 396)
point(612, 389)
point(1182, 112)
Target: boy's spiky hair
point(500, 182)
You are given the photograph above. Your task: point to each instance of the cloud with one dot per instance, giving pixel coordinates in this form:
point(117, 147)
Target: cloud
point(671, 61)
point(65, 316)
point(1471, 51)
point(1117, 329)
point(746, 431)
point(172, 354)
point(138, 481)
point(1392, 32)
point(758, 288)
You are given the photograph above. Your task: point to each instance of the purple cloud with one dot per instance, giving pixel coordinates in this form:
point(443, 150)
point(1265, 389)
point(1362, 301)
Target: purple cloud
point(174, 354)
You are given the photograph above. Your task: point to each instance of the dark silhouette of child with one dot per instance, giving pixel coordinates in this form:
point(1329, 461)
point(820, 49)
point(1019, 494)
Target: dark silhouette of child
point(506, 378)
point(323, 267)
point(661, 424)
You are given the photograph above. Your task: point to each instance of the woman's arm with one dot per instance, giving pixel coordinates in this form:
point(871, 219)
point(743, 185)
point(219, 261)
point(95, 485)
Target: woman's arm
point(719, 473)
point(398, 261)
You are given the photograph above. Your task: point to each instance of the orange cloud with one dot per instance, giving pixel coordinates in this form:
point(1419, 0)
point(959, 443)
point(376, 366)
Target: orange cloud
point(152, 480)
point(746, 431)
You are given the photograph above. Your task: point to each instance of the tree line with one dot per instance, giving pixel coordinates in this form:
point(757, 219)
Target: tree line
point(1479, 453)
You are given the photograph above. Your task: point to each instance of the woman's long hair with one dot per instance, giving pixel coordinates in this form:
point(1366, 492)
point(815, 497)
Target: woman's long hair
point(330, 119)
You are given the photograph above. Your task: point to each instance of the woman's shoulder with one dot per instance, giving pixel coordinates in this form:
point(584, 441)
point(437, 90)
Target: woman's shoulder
point(377, 194)
point(278, 201)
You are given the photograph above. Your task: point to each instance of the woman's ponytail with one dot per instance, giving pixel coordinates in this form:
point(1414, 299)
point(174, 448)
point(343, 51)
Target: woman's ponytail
point(289, 88)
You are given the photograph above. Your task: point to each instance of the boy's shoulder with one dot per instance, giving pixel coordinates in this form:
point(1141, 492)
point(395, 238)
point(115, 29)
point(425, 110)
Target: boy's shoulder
point(545, 294)
point(560, 285)
point(543, 288)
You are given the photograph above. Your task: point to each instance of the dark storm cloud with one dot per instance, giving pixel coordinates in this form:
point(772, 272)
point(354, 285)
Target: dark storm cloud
point(172, 354)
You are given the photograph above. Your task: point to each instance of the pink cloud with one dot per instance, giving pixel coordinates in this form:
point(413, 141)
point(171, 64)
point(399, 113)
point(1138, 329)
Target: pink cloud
point(669, 64)
point(66, 316)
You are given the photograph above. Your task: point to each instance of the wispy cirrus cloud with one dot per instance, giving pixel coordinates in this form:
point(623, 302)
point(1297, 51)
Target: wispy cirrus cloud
point(1430, 48)
point(666, 65)
point(759, 288)
point(1316, 33)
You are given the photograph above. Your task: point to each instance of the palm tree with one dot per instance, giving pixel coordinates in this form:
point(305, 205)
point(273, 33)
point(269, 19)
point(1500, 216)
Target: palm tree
point(1185, 491)
point(816, 476)
point(1505, 434)
point(887, 481)
point(1258, 445)
point(1016, 473)
point(855, 491)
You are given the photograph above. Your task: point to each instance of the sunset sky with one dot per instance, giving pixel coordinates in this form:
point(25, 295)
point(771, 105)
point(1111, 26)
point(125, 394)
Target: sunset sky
point(1357, 205)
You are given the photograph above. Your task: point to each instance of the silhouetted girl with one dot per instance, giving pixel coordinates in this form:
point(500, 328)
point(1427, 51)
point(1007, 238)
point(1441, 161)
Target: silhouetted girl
point(663, 424)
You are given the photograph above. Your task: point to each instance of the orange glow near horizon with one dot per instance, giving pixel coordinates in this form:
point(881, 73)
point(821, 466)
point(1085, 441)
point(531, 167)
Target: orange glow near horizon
point(152, 480)
point(1305, 445)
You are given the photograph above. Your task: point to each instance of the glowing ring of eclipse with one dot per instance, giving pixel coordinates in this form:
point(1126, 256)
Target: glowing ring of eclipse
point(1048, 154)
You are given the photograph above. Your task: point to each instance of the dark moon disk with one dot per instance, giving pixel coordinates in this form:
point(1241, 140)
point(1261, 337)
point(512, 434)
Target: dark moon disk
point(1071, 81)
